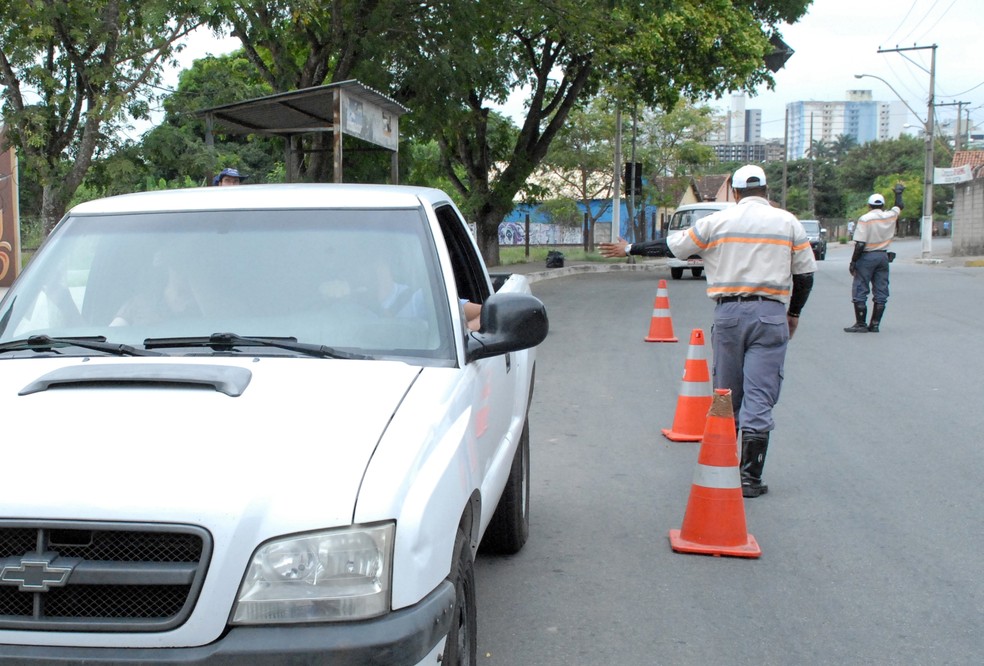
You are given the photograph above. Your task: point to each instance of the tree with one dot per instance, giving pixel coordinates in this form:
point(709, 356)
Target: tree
point(862, 165)
point(562, 212)
point(842, 145)
point(674, 142)
point(73, 71)
point(469, 55)
point(580, 158)
point(828, 196)
point(295, 44)
point(176, 148)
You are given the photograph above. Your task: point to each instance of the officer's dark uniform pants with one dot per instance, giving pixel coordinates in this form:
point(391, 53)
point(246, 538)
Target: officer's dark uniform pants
point(871, 273)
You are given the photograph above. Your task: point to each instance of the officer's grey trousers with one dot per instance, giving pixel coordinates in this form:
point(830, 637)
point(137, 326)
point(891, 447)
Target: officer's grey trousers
point(749, 341)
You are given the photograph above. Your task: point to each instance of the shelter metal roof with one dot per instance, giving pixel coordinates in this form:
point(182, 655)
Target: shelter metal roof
point(297, 111)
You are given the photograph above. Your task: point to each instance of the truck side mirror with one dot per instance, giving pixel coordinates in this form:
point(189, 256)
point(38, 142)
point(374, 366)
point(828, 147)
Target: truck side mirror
point(510, 322)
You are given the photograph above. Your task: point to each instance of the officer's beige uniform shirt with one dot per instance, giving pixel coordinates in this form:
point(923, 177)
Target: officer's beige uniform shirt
point(752, 249)
point(876, 228)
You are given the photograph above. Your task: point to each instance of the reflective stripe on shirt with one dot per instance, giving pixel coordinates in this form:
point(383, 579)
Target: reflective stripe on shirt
point(876, 228)
point(749, 249)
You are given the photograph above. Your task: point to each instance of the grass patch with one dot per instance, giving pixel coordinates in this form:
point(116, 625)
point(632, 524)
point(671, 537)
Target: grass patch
point(513, 254)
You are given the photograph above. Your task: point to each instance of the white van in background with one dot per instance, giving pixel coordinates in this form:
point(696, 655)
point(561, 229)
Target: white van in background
point(684, 218)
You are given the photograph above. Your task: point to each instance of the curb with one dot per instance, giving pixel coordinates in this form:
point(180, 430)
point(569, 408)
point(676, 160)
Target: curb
point(576, 269)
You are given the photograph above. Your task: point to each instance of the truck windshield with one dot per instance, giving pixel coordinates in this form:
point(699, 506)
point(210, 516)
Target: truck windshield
point(684, 219)
point(365, 281)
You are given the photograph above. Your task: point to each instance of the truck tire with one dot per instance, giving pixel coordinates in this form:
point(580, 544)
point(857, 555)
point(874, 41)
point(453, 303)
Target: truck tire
point(676, 272)
point(510, 525)
point(461, 647)
point(696, 272)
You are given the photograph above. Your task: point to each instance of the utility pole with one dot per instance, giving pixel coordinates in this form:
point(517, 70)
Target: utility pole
point(617, 185)
point(811, 204)
point(785, 158)
point(926, 228)
point(957, 133)
point(630, 188)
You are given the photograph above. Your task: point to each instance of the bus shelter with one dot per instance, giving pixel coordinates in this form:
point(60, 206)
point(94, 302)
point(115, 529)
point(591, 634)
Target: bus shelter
point(346, 107)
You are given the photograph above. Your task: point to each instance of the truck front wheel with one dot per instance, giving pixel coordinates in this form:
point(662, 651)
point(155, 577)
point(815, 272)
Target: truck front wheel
point(461, 648)
point(510, 525)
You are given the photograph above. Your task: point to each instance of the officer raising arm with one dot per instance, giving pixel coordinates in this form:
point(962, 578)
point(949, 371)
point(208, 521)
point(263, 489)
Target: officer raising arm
point(759, 268)
point(869, 264)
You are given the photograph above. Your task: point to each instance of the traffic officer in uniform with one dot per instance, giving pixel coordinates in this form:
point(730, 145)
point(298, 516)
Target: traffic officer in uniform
point(759, 268)
point(873, 235)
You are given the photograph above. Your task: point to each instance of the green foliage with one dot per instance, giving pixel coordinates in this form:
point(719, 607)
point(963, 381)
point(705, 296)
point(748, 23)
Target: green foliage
point(579, 161)
point(73, 72)
point(651, 52)
point(563, 212)
point(448, 61)
point(863, 164)
point(828, 196)
point(516, 254)
point(674, 142)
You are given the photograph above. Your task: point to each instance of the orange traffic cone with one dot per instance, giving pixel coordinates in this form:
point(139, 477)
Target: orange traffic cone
point(661, 325)
point(714, 523)
point(695, 394)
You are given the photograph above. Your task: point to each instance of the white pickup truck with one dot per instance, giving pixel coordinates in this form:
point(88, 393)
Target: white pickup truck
point(262, 430)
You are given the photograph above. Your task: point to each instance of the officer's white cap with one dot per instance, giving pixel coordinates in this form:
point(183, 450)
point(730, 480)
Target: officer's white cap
point(748, 176)
point(876, 200)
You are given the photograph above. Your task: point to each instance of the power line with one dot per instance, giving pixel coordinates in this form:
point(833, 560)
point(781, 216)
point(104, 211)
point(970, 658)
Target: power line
point(961, 94)
point(902, 22)
point(928, 12)
point(938, 20)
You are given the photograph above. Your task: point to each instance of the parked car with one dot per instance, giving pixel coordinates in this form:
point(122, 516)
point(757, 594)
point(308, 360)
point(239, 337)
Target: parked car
point(264, 431)
point(684, 218)
point(818, 238)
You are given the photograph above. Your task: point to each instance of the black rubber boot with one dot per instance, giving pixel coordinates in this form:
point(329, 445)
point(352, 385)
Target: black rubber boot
point(860, 314)
point(876, 314)
point(754, 446)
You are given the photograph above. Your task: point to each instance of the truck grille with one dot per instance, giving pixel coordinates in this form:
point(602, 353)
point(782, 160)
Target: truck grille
point(60, 576)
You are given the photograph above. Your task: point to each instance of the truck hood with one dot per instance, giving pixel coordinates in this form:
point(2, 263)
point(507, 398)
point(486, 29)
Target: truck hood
point(291, 448)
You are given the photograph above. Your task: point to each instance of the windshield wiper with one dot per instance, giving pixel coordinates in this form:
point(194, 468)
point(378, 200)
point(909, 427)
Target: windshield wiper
point(228, 341)
point(44, 343)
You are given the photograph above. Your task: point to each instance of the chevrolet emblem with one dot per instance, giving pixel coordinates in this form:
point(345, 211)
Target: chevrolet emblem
point(34, 574)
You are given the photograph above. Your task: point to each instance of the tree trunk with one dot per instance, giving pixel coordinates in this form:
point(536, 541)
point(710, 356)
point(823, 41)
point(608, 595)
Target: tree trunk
point(51, 209)
point(487, 231)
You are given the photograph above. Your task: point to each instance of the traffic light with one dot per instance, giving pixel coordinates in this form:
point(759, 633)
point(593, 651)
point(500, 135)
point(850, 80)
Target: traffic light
point(629, 180)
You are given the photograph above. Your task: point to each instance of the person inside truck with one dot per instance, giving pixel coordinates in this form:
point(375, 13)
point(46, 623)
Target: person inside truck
point(164, 293)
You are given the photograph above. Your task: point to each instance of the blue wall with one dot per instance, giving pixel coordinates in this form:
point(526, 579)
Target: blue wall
point(518, 216)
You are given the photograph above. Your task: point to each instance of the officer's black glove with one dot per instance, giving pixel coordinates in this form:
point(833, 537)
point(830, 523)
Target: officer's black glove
point(858, 249)
point(899, 189)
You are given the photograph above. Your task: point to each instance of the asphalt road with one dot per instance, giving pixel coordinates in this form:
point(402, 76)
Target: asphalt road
point(871, 535)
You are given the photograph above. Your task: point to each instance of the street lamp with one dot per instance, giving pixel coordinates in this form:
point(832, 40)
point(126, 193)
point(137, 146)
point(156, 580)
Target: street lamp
point(926, 227)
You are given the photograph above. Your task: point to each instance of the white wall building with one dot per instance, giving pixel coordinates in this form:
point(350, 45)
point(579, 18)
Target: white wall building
point(858, 116)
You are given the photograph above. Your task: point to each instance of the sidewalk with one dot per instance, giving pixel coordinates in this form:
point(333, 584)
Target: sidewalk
point(536, 271)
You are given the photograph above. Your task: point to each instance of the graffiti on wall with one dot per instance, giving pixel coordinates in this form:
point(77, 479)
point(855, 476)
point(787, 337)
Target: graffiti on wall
point(9, 231)
point(514, 233)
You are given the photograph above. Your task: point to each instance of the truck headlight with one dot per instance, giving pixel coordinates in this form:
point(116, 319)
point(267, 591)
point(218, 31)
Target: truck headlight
point(333, 575)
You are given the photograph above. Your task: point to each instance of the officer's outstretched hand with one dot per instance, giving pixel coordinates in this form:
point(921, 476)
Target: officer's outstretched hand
point(611, 250)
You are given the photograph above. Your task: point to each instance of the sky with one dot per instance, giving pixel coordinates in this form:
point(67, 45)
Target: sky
point(835, 40)
point(840, 38)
